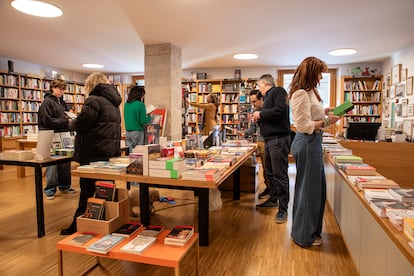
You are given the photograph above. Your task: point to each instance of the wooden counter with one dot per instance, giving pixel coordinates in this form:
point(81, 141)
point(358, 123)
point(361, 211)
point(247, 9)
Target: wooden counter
point(393, 160)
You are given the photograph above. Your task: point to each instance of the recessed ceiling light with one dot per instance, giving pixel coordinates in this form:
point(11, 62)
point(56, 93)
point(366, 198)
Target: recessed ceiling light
point(342, 52)
point(37, 8)
point(92, 65)
point(245, 56)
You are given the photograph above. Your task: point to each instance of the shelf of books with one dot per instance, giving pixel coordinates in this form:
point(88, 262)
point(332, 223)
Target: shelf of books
point(233, 108)
point(365, 94)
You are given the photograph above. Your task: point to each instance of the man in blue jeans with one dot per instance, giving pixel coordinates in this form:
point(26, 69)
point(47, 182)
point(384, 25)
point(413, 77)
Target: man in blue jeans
point(52, 117)
point(275, 128)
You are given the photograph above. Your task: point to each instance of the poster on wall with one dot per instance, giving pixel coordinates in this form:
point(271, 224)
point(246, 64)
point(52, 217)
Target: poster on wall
point(407, 127)
point(400, 90)
point(409, 86)
point(396, 74)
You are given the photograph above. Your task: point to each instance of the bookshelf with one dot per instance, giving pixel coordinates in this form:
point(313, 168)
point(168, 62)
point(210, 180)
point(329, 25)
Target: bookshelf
point(365, 94)
point(234, 105)
point(20, 99)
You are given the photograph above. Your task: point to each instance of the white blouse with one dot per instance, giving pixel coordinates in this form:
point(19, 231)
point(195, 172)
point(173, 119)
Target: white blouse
point(306, 109)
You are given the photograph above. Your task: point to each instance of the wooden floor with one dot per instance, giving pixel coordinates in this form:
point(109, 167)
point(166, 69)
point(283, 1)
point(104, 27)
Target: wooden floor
point(243, 240)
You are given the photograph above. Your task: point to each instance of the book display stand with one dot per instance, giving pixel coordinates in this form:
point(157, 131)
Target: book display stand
point(157, 254)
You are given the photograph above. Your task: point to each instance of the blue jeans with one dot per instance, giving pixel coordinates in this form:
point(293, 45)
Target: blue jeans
point(276, 167)
point(310, 188)
point(57, 176)
point(133, 139)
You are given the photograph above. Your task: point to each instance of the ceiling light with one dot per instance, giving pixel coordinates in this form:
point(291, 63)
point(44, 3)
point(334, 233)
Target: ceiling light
point(92, 65)
point(245, 56)
point(342, 52)
point(37, 8)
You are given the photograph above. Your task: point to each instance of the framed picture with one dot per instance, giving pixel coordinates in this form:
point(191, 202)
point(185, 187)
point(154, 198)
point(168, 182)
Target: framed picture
point(398, 110)
point(386, 123)
point(407, 127)
point(404, 73)
point(396, 74)
point(388, 80)
point(392, 91)
point(404, 107)
point(410, 110)
point(409, 86)
point(400, 89)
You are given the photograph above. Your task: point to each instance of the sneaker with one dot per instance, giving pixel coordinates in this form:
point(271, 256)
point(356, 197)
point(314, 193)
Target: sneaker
point(264, 194)
point(50, 197)
point(317, 241)
point(267, 204)
point(281, 217)
point(69, 231)
point(69, 191)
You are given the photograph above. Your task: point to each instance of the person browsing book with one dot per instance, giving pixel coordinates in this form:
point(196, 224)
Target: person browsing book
point(274, 123)
point(135, 117)
point(209, 113)
point(309, 117)
point(256, 99)
point(52, 117)
point(98, 134)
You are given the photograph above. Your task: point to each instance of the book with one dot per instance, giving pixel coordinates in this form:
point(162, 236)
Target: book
point(348, 159)
point(94, 208)
point(174, 174)
point(409, 225)
point(167, 163)
point(149, 152)
point(136, 166)
point(377, 194)
point(359, 169)
point(152, 231)
point(105, 190)
point(128, 229)
point(151, 134)
point(82, 238)
point(379, 206)
point(179, 235)
point(202, 174)
point(402, 195)
point(138, 244)
point(376, 183)
point(104, 244)
point(150, 108)
point(159, 116)
point(343, 108)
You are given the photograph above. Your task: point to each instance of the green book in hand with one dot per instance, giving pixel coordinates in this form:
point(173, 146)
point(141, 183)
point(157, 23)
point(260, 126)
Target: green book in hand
point(343, 108)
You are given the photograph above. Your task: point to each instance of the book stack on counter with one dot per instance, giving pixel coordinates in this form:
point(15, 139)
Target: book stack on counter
point(105, 244)
point(200, 153)
point(167, 167)
point(359, 169)
point(202, 174)
point(179, 235)
point(128, 229)
point(82, 238)
point(103, 167)
point(348, 159)
point(374, 182)
point(144, 240)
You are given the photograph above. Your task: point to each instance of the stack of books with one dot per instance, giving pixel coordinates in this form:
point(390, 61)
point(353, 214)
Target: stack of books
point(348, 159)
point(103, 167)
point(402, 195)
point(202, 174)
point(128, 229)
point(167, 167)
point(359, 169)
point(95, 208)
point(105, 244)
point(179, 235)
point(375, 182)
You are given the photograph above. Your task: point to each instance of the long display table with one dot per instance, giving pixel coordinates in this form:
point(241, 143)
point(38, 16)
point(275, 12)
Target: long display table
point(200, 188)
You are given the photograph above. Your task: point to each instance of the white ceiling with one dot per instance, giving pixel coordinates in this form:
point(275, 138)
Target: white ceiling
point(209, 32)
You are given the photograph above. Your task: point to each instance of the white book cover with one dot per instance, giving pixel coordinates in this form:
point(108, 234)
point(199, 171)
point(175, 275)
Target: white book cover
point(138, 244)
point(44, 144)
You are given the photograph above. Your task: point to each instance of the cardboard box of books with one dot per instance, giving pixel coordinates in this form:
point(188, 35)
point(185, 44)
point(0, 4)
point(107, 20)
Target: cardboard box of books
point(116, 214)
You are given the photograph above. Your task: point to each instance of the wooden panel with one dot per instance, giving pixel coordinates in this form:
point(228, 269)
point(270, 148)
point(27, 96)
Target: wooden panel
point(392, 160)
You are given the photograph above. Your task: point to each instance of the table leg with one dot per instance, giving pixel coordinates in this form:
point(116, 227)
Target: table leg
point(21, 170)
point(144, 204)
point(60, 263)
point(203, 214)
point(236, 184)
point(39, 202)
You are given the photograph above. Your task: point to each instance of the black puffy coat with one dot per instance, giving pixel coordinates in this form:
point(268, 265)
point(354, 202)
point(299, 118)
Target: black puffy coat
point(98, 126)
point(52, 114)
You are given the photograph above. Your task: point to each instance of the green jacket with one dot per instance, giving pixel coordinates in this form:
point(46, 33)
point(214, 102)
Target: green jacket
point(135, 116)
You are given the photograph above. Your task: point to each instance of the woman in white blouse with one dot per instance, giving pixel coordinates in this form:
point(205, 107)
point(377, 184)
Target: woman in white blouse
point(309, 118)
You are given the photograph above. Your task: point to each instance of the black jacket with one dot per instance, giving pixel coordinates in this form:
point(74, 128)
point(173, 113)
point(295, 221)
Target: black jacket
point(98, 126)
point(52, 114)
point(274, 116)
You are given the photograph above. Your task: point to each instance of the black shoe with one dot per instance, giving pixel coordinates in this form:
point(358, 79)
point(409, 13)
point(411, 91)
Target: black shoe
point(69, 231)
point(281, 217)
point(267, 204)
point(264, 194)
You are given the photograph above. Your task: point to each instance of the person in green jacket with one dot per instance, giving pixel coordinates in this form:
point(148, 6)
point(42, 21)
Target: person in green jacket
point(135, 116)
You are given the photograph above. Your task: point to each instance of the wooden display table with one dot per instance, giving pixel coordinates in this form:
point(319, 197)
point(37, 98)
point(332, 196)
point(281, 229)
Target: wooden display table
point(37, 165)
point(158, 254)
point(201, 189)
point(22, 144)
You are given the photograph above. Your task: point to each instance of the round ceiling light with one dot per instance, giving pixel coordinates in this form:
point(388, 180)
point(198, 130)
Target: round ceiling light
point(36, 8)
point(342, 52)
point(92, 65)
point(245, 56)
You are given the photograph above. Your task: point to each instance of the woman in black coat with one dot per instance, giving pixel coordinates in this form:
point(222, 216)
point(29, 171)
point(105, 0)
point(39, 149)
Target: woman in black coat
point(98, 134)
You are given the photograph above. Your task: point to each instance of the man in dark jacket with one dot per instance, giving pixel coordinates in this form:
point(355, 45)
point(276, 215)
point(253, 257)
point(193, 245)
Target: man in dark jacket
point(98, 134)
point(52, 117)
point(275, 128)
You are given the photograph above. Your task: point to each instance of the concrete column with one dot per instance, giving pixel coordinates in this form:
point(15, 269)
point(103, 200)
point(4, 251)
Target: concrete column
point(163, 84)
